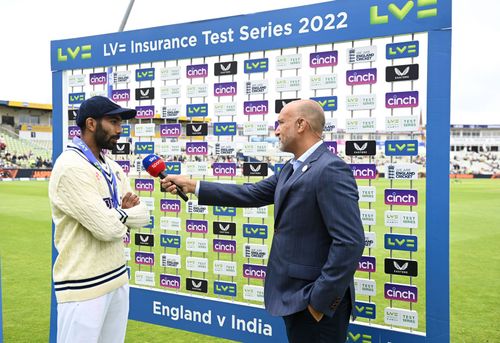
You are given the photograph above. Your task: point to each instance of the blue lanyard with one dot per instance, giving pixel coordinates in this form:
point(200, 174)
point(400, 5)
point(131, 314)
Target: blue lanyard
point(93, 161)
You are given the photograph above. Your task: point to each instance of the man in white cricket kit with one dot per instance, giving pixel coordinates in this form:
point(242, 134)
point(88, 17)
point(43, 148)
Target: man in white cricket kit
point(92, 208)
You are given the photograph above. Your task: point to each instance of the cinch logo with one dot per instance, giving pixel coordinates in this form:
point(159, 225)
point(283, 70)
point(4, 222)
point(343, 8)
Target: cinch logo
point(125, 166)
point(367, 264)
point(197, 285)
point(145, 93)
point(358, 337)
point(365, 310)
point(259, 65)
point(121, 149)
point(167, 205)
point(401, 267)
point(197, 110)
point(170, 130)
point(126, 238)
point(197, 129)
point(196, 226)
point(85, 51)
point(401, 148)
point(173, 168)
point(323, 59)
point(145, 239)
point(125, 130)
point(332, 146)
point(225, 89)
point(224, 211)
point(146, 258)
point(360, 148)
point(255, 107)
point(255, 231)
point(327, 103)
point(254, 169)
point(118, 95)
point(254, 271)
point(170, 281)
point(361, 77)
point(195, 71)
point(225, 68)
point(98, 78)
point(401, 50)
point(74, 131)
point(170, 241)
point(401, 13)
point(76, 98)
point(401, 99)
point(144, 148)
point(224, 228)
point(225, 288)
point(196, 148)
point(144, 185)
point(395, 291)
point(400, 242)
point(224, 169)
point(401, 73)
point(225, 129)
point(280, 103)
point(224, 246)
point(146, 74)
point(364, 171)
point(145, 112)
point(405, 197)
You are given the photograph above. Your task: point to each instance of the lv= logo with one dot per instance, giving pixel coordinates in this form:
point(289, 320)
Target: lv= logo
point(400, 13)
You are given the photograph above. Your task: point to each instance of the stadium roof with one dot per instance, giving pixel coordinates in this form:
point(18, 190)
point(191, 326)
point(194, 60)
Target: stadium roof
point(32, 105)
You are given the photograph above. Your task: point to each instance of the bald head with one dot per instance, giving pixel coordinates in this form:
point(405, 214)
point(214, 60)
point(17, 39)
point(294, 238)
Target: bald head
point(311, 111)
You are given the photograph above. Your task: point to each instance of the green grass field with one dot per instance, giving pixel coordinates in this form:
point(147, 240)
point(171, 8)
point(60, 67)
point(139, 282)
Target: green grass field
point(25, 248)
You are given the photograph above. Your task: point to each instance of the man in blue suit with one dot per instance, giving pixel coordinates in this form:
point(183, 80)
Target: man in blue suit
point(318, 235)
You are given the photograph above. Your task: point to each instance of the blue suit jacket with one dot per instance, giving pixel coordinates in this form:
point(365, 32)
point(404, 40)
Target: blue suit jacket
point(318, 238)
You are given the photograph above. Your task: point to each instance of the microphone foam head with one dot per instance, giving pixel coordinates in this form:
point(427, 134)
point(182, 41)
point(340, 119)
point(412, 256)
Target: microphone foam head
point(153, 164)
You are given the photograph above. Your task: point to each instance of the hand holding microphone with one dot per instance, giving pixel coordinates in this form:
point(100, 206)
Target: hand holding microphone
point(155, 167)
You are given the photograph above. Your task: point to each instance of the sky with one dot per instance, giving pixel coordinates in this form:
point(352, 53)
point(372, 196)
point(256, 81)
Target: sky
point(28, 26)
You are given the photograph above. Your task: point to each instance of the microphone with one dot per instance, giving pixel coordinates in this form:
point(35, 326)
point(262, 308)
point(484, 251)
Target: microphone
point(155, 167)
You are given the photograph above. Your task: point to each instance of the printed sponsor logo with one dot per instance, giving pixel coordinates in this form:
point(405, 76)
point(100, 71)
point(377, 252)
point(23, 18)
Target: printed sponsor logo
point(121, 76)
point(145, 278)
point(144, 130)
point(401, 147)
point(368, 216)
point(289, 62)
point(364, 171)
point(125, 130)
point(400, 14)
point(370, 239)
point(330, 125)
point(254, 293)
point(125, 166)
point(280, 103)
point(401, 317)
point(145, 239)
point(83, 52)
point(400, 292)
point(118, 95)
point(256, 87)
point(255, 212)
point(225, 108)
point(401, 267)
point(224, 211)
point(197, 90)
point(170, 241)
point(170, 73)
point(145, 258)
point(144, 148)
point(327, 103)
point(145, 112)
point(146, 74)
point(401, 123)
point(72, 114)
point(404, 219)
point(76, 80)
point(323, 59)
point(197, 244)
point(224, 246)
point(126, 238)
point(361, 148)
point(98, 92)
point(255, 107)
point(360, 125)
point(225, 68)
point(254, 271)
point(367, 193)
point(225, 89)
point(170, 130)
point(225, 288)
point(225, 149)
point(74, 131)
point(170, 111)
point(400, 242)
point(255, 149)
point(224, 169)
point(121, 149)
point(170, 281)
point(98, 79)
point(227, 268)
point(196, 148)
point(197, 129)
point(254, 169)
point(332, 146)
point(289, 84)
point(255, 231)
point(361, 102)
point(225, 128)
point(259, 65)
point(173, 168)
point(325, 81)
point(170, 261)
point(147, 93)
point(197, 110)
point(401, 50)
point(367, 264)
point(401, 171)
point(197, 264)
point(196, 71)
point(362, 54)
point(254, 128)
point(167, 205)
point(193, 207)
point(258, 251)
point(197, 285)
point(147, 185)
point(361, 77)
point(365, 286)
point(224, 228)
point(401, 99)
point(170, 148)
point(404, 197)
point(404, 72)
point(76, 98)
point(170, 223)
point(170, 92)
point(126, 253)
point(196, 168)
point(197, 226)
point(365, 310)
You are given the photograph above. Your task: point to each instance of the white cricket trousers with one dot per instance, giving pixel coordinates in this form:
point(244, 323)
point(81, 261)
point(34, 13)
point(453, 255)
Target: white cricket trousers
point(99, 320)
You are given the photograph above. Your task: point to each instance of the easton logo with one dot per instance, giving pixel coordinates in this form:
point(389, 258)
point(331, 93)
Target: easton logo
point(225, 68)
point(254, 169)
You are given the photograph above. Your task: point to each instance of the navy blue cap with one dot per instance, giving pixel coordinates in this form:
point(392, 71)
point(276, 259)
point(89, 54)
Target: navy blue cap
point(100, 106)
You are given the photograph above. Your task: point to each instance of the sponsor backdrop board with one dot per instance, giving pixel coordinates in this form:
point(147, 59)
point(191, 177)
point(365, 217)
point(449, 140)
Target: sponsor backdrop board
point(207, 96)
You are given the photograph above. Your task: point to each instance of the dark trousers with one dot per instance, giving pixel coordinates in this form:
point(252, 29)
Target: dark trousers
point(301, 327)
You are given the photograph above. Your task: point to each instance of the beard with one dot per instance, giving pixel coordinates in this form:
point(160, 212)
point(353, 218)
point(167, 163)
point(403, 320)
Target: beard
point(103, 139)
